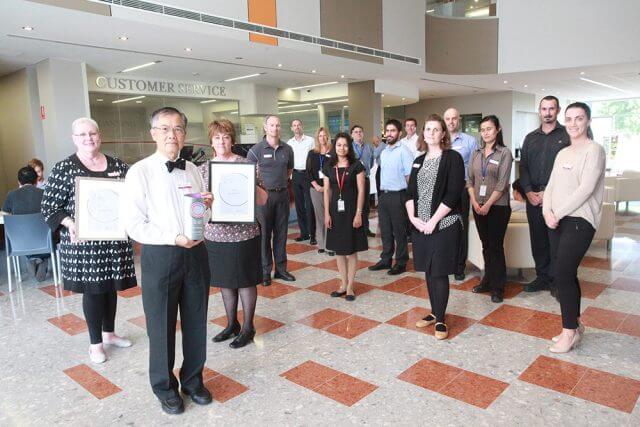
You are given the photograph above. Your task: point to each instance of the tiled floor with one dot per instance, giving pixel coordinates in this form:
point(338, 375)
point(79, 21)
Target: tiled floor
point(319, 360)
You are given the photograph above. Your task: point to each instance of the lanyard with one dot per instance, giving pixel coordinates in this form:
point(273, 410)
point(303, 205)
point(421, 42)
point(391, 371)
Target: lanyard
point(485, 166)
point(340, 181)
point(358, 150)
point(321, 160)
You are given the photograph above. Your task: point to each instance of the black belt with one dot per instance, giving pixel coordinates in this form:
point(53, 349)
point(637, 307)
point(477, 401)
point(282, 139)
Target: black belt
point(391, 192)
point(278, 189)
point(300, 170)
point(536, 188)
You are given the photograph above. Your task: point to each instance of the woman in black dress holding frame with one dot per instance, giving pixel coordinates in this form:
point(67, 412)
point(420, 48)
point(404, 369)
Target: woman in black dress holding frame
point(343, 202)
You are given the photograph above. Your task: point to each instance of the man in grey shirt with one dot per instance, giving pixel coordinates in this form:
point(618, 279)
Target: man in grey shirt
point(274, 160)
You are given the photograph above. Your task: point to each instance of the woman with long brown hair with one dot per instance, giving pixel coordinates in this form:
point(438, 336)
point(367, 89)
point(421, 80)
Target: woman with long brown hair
point(315, 162)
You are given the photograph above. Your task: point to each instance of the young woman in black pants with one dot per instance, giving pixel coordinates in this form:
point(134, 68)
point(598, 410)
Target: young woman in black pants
point(433, 196)
point(488, 185)
point(572, 208)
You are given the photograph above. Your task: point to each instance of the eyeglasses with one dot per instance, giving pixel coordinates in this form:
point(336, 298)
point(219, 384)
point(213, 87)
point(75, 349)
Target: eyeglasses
point(84, 135)
point(179, 130)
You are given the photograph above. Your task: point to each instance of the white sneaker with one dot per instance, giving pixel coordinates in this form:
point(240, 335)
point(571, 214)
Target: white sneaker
point(117, 341)
point(97, 356)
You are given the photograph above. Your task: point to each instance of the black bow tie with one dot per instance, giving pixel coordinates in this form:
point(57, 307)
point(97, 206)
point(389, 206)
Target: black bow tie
point(179, 163)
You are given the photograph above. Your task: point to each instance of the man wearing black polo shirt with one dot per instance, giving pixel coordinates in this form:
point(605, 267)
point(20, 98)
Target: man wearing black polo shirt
point(274, 160)
point(539, 151)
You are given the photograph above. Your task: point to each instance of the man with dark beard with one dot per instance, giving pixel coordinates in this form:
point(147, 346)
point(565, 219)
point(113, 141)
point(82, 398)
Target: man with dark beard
point(539, 151)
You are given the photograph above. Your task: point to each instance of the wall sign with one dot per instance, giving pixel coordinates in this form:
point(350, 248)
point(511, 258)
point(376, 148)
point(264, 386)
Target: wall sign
point(147, 86)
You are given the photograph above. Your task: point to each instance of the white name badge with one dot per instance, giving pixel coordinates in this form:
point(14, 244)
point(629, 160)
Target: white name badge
point(416, 165)
point(341, 205)
point(320, 175)
point(113, 174)
point(494, 162)
point(268, 156)
point(567, 166)
point(483, 191)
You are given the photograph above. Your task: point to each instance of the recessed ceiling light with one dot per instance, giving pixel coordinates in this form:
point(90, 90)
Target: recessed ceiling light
point(543, 89)
point(297, 111)
point(208, 101)
point(342, 76)
point(313, 71)
point(295, 105)
point(333, 102)
point(187, 49)
point(137, 67)
point(127, 99)
point(603, 84)
point(505, 82)
point(345, 106)
point(27, 28)
point(315, 85)
point(404, 99)
point(431, 10)
point(239, 57)
point(196, 74)
point(123, 38)
point(138, 102)
point(248, 76)
point(582, 73)
point(387, 105)
point(382, 95)
point(99, 100)
point(526, 85)
point(279, 65)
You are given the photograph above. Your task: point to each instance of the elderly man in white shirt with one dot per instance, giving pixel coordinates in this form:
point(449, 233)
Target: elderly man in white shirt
point(175, 269)
point(301, 145)
point(411, 137)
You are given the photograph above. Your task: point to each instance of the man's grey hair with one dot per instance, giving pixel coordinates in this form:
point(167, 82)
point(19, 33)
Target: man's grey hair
point(297, 120)
point(268, 116)
point(81, 120)
point(167, 111)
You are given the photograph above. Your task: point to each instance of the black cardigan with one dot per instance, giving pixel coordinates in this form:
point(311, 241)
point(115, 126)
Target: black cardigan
point(313, 166)
point(449, 183)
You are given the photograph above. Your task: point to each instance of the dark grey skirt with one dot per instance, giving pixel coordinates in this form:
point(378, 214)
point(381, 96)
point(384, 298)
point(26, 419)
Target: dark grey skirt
point(436, 254)
point(235, 265)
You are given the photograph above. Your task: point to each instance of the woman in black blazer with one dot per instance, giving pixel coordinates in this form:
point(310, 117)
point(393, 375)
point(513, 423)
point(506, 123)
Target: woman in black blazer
point(433, 197)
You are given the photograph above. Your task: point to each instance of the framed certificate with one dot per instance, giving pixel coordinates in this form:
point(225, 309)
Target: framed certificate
point(234, 192)
point(98, 209)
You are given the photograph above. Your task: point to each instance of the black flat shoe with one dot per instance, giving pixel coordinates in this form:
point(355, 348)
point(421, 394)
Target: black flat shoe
point(397, 269)
point(536, 285)
point(320, 251)
point(173, 405)
point(336, 294)
point(350, 297)
point(266, 281)
point(380, 265)
point(301, 238)
point(331, 253)
point(313, 242)
point(284, 275)
point(371, 234)
point(226, 333)
point(200, 396)
point(243, 339)
point(497, 296)
point(459, 277)
point(481, 288)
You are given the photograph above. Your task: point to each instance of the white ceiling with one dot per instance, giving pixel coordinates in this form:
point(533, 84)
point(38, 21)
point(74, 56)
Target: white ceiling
point(69, 34)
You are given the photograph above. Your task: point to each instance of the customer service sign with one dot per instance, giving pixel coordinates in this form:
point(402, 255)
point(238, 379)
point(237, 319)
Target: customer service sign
point(145, 86)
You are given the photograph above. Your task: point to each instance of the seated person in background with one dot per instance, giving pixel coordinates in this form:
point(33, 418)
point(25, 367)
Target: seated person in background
point(26, 199)
point(518, 203)
point(38, 166)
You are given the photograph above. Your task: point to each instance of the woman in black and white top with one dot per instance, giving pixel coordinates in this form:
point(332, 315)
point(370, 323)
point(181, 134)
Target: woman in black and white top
point(433, 197)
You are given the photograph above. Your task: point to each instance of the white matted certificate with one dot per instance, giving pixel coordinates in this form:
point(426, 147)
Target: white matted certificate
point(233, 186)
point(98, 209)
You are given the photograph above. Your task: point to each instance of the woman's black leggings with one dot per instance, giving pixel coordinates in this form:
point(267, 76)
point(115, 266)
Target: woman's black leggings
point(569, 242)
point(100, 314)
point(438, 287)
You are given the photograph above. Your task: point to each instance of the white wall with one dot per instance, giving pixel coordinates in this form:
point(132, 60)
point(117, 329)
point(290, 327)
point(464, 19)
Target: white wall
point(18, 129)
point(301, 16)
point(403, 28)
point(550, 34)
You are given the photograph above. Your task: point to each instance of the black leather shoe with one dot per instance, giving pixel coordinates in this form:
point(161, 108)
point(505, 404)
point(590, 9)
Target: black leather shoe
point(226, 333)
point(243, 339)
point(481, 288)
point(266, 281)
point(536, 285)
point(284, 275)
point(313, 242)
point(397, 269)
point(200, 396)
point(380, 265)
point(459, 277)
point(497, 296)
point(320, 251)
point(371, 233)
point(301, 238)
point(350, 297)
point(173, 405)
point(336, 294)
point(331, 253)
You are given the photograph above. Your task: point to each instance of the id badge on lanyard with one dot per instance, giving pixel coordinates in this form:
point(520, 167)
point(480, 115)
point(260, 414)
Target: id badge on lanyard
point(341, 207)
